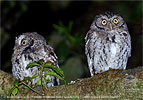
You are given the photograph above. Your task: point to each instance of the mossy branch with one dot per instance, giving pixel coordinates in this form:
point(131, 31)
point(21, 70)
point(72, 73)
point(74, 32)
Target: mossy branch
point(111, 84)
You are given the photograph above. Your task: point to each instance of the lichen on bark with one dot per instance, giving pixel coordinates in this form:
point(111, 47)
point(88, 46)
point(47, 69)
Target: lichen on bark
point(123, 84)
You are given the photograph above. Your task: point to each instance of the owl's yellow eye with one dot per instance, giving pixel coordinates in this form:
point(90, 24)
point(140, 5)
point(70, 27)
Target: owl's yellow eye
point(104, 22)
point(24, 42)
point(115, 21)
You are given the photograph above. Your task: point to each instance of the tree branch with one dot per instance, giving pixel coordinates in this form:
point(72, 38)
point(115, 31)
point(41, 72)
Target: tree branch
point(110, 84)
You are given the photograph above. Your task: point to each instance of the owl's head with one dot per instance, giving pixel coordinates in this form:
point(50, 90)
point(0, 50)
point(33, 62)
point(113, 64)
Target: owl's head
point(109, 21)
point(29, 42)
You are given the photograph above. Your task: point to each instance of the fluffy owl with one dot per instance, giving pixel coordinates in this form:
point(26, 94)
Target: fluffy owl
point(31, 47)
point(108, 43)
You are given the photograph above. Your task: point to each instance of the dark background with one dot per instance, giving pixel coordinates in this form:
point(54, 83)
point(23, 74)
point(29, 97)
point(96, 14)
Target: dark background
point(64, 24)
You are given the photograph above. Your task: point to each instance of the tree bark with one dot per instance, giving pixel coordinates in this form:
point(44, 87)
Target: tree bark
point(127, 84)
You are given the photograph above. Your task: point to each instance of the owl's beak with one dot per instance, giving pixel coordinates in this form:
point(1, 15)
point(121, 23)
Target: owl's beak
point(110, 27)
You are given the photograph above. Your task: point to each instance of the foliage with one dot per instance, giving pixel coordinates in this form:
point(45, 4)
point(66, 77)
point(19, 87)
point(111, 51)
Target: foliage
point(71, 41)
point(69, 49)
point(57, 72)
point(66, 31)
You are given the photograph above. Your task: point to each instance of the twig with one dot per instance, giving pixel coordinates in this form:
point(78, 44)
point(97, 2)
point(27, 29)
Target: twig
point(31, 88)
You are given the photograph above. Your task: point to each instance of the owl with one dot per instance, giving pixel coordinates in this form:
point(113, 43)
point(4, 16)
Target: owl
point(30, 47)
point(108, 43)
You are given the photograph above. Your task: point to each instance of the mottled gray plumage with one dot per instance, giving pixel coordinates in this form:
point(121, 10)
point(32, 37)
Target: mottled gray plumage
point(108, 43)
point(31, 47)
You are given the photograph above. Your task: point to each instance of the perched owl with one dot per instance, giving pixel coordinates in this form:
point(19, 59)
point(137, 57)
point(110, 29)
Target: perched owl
point(31, 47)
point(108, 43)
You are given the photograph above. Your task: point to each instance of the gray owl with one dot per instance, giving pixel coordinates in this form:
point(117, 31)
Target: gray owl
point(108, 43)
point(31, 47)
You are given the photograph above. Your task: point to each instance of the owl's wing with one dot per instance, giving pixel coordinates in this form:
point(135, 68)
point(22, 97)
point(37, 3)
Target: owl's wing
point(88, 35)
point(88, 43)
point(52, 55)
point(89, 51)
point(127, 41)
point(129, 46)
point(53, 58)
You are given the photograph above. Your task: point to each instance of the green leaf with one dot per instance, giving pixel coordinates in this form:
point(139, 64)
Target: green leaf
point(40, 61)
point(46, 79)
point(16, 83)
point(70, 26)
point(39, 83)
point(27, 79)
point(40, 69)
point(52, 73)
point(61, 28)
point(15, 91)
point(33, 64)
point(34, 76)
point(45, 69)
point(27, 88)
point(72, 39)
point(55, 69)
point(49, 63)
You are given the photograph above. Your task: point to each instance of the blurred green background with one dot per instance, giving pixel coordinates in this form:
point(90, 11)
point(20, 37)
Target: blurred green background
point(64, 24)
